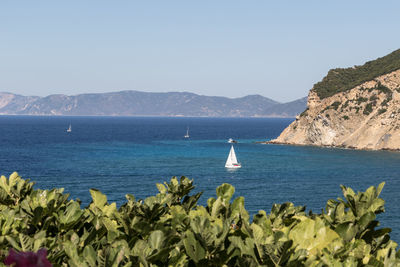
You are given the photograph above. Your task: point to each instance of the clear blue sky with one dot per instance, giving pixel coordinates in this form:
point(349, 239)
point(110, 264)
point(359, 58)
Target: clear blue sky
point(278, 49)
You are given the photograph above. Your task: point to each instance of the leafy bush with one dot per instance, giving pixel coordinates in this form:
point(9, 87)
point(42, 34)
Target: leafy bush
point(385, 102)
point(373, 98)
point(367, 109)
point(382, 110)
point(345, 105)
point(361, 99)
point(335, 105)
point(171, 229)
point(345, 117)
point(343, 79)
point(304, 113)
point(380, 87)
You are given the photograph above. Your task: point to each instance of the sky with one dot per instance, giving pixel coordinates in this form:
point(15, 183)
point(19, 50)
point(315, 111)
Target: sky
point(277, 49)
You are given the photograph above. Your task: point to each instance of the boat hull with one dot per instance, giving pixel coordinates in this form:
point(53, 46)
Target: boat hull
point(233, 166)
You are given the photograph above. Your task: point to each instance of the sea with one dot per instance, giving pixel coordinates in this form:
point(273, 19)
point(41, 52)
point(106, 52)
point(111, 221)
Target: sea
point(121, 155)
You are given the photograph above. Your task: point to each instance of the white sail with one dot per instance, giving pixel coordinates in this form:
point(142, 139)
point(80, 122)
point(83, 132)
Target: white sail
point(69, 129)
point(231, 161)
point(187, 133)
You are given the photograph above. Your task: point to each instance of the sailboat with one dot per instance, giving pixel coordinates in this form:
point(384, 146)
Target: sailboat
point(231, 161)
point(187, 133)
point(69, 129)
point(231, 141)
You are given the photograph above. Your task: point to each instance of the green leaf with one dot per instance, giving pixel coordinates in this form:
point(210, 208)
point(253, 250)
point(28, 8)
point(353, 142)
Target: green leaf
point(312, 235)
point(246, 247)
point(99, 199)
point(379, 189)
point(90, 255)
point(156, 239)
point(161, 188)
point(225, 191)
point(366, 219)
point(71, 214)
point(39, 240)
point(193, 248)
point(13, 179)
point(346, 230)
point(238, 209)
point(13, 243)
point(4, 185)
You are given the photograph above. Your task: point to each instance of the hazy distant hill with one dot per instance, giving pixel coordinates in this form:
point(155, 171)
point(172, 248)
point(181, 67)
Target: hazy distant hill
point(135, 103)
point(289, 109)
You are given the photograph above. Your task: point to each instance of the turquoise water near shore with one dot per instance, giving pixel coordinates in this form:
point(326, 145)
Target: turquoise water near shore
point(121, 155)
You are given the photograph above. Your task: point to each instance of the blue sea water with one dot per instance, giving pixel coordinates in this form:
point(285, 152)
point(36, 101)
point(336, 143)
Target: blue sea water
point(121, 155)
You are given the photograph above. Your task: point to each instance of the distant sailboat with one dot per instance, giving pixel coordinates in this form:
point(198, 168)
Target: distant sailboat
point(187, 133)
point(231, 161)
point(69, 129)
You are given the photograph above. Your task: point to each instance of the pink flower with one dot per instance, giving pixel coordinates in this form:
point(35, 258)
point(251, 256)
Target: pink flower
point(28, 259)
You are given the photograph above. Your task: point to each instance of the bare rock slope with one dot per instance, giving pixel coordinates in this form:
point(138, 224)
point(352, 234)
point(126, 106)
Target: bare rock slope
point(366, 116)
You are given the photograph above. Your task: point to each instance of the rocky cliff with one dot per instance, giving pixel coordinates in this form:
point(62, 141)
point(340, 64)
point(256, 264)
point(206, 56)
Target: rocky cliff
point(366, 116)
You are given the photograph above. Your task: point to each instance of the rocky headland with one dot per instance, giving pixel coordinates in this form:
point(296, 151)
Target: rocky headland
point(357, 107)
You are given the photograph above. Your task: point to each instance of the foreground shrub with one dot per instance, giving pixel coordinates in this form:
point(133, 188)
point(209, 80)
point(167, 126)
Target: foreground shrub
point(171, 229)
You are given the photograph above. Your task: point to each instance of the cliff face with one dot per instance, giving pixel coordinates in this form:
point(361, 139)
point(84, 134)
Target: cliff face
point(364, 117)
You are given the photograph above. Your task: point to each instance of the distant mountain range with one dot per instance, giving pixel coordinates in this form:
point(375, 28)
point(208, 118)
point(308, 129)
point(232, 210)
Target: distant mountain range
point(136, 103)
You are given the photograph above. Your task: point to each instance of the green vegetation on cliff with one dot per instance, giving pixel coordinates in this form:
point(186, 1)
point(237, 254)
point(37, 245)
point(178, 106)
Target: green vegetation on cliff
point(343, 79)
point(171, 229)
